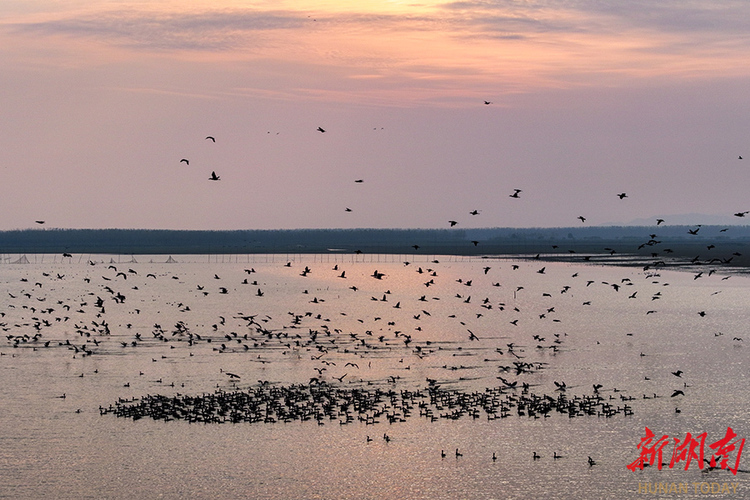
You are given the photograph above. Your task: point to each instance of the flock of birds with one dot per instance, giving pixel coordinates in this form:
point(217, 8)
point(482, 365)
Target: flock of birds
point(515, 194)
point(386, 358)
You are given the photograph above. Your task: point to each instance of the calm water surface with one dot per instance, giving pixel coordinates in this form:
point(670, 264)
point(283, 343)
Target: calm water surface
point(69, 329)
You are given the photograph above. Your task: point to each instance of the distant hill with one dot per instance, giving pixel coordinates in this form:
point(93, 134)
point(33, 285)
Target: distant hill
point(686, 220)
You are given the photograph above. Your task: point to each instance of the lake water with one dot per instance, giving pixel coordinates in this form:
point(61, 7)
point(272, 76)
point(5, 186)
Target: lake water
point(109, 334)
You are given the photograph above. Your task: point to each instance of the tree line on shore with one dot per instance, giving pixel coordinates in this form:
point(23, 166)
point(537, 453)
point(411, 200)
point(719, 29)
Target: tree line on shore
point(707, 241)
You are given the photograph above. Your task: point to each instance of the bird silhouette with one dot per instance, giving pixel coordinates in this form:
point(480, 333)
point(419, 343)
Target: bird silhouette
point(185, 161)
point(321, 130)
point(210, 138)
point(214, 177)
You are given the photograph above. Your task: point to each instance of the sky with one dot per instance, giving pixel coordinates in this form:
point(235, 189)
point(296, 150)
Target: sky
point(100, 100)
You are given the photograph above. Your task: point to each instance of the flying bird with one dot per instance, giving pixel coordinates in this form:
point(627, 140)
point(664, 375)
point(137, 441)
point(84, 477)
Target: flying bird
point(214, 177)
point(320, 129)
point(359, 180)
point(211, 138)
point(185, 161)
point(583, 219)
point(452, 222)
point(622, 195)
point(515, 193)
point(487, 103)
point(39, 221)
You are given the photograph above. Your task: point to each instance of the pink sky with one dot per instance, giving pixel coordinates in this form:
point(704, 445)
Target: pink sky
point(100, 100)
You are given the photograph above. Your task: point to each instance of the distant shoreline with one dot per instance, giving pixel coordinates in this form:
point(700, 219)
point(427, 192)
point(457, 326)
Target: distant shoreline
point(664, 245)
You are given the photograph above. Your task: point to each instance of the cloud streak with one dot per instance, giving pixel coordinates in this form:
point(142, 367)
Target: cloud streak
point(206, 31)
point(520, 41)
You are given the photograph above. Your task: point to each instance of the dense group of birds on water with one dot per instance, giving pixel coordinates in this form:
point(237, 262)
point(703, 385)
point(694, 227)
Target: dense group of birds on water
point(323, 402)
